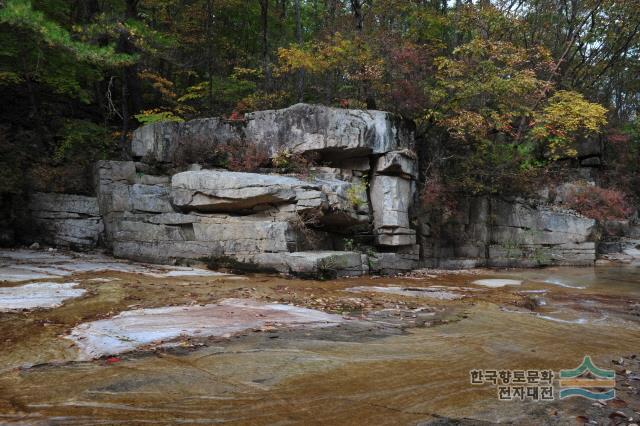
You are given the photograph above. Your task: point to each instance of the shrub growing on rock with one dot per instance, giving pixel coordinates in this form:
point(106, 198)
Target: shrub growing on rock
point(599, 203)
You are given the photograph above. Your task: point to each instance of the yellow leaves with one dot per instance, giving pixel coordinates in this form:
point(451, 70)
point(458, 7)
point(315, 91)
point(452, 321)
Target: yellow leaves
point(351, 56)
point(466, 125)
point(295, 58)
point(571, 112)
point(567, 115)
point(161, 84)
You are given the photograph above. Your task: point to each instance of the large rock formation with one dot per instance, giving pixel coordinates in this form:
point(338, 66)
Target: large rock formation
point(351, 213)
point(335, 133)
point(508, 233)
point(290, 224)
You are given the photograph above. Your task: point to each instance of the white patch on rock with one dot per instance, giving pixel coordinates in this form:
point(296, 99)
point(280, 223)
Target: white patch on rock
point(15, 274)
point(37, 295)
point(29, 265)
point(496, 282)
point(130, 330)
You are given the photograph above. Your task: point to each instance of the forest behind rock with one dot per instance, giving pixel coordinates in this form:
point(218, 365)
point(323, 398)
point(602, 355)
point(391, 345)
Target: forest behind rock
point(506, 95)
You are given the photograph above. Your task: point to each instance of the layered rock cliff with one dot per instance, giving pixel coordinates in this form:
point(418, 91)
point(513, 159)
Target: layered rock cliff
point(353, 211)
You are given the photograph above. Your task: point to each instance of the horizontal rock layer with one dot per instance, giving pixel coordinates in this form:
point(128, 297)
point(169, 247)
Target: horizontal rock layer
point(336, 133)
point(501, 233)
point(66, 220)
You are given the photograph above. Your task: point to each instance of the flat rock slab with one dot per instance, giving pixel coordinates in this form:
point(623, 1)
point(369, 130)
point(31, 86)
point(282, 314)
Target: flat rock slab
point(29, 265)
point(152, 327)
point(17, 274)
point(37, 295)
point(224, 191)
point(431, 293)
point(496, 282)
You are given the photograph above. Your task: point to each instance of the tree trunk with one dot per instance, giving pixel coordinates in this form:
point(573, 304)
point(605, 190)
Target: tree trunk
point(356, 8)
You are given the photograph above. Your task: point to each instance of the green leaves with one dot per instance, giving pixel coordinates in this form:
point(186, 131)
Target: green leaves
point(20, 14)
point(155, 115)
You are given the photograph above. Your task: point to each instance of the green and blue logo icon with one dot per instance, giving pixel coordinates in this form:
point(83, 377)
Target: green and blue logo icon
point(588, 381)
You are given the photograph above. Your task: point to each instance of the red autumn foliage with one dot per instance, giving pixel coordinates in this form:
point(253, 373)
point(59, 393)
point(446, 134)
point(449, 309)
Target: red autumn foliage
point(599, 203)
point(410, 62)
point(435, 196)
point(236, 116)
point(236, 155)
point(245, 157)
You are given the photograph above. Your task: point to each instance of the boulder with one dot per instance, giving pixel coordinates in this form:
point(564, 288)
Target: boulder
point(405, 259)
point(348, 203)
point(224, 191)
point(336, 133)
point(399, 163)
point(313, 264)
point(167, 141)
point(153, 141)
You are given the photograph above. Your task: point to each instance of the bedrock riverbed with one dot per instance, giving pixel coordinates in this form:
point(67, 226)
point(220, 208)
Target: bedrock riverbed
point(259, 349)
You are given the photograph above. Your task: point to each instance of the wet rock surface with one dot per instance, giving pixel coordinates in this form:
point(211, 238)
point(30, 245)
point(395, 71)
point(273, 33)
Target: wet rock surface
point(387, 353)
point(138, 328)
point(37, 295)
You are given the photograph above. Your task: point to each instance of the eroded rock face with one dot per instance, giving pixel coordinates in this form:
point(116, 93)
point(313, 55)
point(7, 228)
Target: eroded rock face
point(302, 128)
point(502, 233)
point(224, 191)
point(400, 163)
point(67, 220)
point(391, 198)
point(364, 184)
point(339, 133)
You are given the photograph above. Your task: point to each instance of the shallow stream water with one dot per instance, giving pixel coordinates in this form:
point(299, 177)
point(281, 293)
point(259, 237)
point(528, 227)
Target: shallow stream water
point(398, 356)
